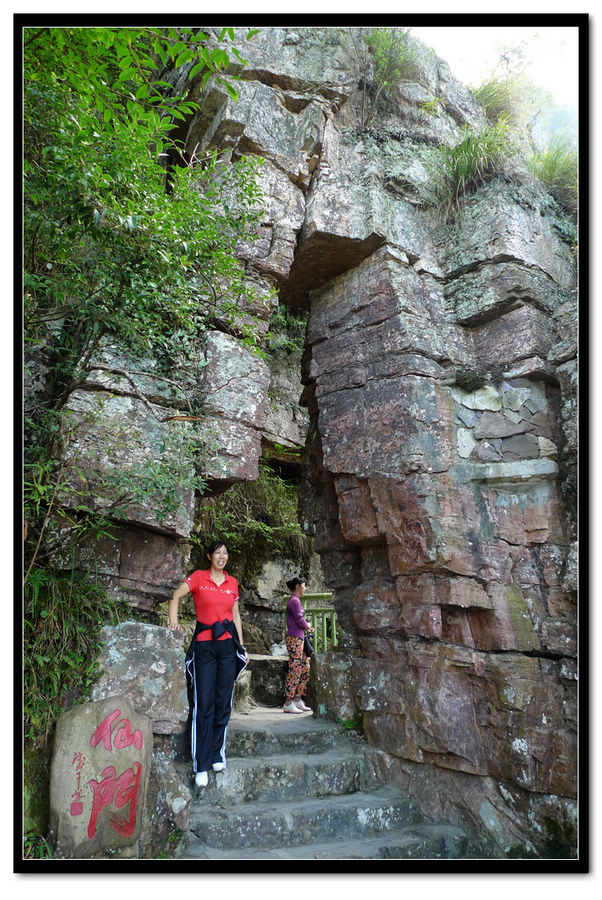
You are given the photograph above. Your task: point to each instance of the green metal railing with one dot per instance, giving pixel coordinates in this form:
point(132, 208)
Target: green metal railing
point(323, 620)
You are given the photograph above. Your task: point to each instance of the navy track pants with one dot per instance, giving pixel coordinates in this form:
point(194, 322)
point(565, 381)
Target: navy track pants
point(213, 670)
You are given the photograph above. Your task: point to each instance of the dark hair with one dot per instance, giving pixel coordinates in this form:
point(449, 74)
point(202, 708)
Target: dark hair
point(292, 584)
point(215, 545)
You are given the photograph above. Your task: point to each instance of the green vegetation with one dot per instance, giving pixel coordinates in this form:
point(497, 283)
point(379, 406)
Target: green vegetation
point(35, 846)
point(516, 99)
point(506, 145)
point(469, 379)
point(76, 489)
point(393, 61)
point(63, 615)
point(293, 453)
point(173, 840)
point(287, 329)
point(258, 519)
point(432, 107)
point(355, 724)
point(557, 166)
point(127, 238)
point(509, 96)
point(124, 232)
point(478, 157)
point(128, 242)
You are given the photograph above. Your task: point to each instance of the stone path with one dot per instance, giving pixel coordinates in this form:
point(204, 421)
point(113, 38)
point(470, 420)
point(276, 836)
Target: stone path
point(299, 787)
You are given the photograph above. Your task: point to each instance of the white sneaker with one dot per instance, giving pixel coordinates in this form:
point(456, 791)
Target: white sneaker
point(201, 779)
point(301, 705)
point(291, 707)
point(218, 767)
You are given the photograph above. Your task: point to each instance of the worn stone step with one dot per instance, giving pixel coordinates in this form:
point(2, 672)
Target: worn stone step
point(271, 825)
point(408, 842)
point(267, 731)
point(282, 777)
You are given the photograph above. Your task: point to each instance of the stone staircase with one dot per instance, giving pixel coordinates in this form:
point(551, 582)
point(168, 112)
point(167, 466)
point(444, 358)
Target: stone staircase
point(299, 787)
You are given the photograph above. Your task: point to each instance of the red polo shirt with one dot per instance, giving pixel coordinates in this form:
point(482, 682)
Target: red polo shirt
point(213, 602)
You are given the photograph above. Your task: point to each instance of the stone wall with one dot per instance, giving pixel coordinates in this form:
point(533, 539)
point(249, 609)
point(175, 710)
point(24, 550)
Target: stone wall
point(440, 381)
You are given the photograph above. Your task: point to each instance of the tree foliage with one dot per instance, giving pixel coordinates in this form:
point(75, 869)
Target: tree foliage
point(257, 519)
point(64, 615)
point(120, 243)
point(114, 243)
point(129, 243)
point(393, 60)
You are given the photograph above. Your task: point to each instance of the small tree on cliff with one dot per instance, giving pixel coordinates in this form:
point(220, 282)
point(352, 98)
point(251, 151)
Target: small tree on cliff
point(393, 60)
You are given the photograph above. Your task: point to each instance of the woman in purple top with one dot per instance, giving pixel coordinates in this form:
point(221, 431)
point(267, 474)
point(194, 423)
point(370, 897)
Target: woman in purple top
point(298, 663)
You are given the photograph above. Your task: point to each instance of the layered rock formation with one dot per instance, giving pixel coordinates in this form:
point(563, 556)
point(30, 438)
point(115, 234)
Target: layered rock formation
point(127, 413)
point(440, 382)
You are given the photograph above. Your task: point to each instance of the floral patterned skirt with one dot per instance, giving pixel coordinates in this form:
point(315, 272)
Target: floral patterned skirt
point(298, 668)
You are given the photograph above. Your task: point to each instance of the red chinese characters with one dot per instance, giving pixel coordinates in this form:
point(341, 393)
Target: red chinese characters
point(121, 791)
point(122, 737)
point(118, 791)
point(77, 807)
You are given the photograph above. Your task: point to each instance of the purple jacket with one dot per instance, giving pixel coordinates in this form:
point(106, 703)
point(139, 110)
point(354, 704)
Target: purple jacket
point(295, 622)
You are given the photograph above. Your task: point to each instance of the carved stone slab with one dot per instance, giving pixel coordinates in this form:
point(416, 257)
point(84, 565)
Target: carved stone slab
point(99, 777)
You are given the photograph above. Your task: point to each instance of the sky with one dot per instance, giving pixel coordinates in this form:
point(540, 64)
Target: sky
point(471, 53)
point(549, 55)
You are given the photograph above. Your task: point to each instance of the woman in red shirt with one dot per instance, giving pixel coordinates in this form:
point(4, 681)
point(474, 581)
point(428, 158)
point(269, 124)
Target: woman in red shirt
point(215, 659)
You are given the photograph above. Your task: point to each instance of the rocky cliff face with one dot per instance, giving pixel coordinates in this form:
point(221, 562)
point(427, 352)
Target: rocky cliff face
point(440, 382)
point(439, 376)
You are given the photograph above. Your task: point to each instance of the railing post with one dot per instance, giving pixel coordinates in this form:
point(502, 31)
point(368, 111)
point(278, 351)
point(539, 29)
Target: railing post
point(321, 619)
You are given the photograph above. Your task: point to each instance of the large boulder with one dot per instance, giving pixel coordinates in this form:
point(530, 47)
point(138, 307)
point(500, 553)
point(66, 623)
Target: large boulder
point(147, 663)
point(99, 778)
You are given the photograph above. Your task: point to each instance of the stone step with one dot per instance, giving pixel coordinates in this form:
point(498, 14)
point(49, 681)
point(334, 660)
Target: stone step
point(282, 777)
point(267, 731)
point(270, 825)
point(408, 842)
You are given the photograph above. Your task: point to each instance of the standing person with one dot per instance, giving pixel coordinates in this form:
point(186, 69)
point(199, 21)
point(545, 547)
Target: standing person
point(298, 663)
point(214, 661)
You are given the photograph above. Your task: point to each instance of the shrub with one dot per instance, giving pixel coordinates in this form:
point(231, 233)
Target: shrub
point(35, 846)
point(518, 102)
point(515, 98)
point(393, 60)
point(477, 158)
point(287, 329)
point(63, 615)
point(557, 166)
point(257, 519)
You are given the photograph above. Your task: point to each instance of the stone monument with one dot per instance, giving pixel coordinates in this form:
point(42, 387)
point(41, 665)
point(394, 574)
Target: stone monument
point(100, 770)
